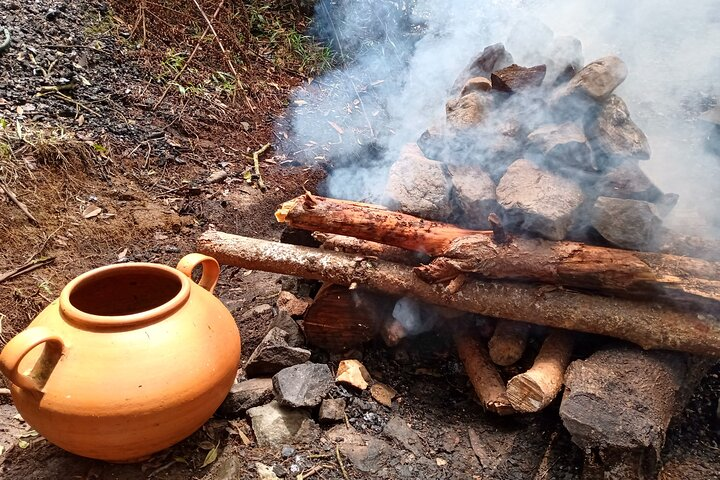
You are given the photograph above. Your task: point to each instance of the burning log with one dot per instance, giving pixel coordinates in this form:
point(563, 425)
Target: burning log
point(483, 375)
point(508, 342)
point(533, 390)
point(649, 325)
point(341, 318)
point(572, 264)
point(619, 402)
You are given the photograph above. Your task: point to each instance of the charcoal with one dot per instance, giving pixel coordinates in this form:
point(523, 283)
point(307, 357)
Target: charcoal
point(563, 145)
point(516, 78)
point(475, 195)
point(476, 84)
point(615, 134)
point(467, 111)
point(537, 201)
point(631, 224)
point(418, 186)
point(492, 58)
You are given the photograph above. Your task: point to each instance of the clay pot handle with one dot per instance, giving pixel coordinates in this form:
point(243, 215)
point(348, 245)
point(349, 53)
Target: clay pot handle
point(19, 346)
point(210, 273)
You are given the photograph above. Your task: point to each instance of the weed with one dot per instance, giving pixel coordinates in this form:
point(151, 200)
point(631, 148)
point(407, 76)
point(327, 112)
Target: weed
point(101, 25)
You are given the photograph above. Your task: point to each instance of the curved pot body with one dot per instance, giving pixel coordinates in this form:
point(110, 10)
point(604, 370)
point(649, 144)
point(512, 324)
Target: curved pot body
point(129, 360)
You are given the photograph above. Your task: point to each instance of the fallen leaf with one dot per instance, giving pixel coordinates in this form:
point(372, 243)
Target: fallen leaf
point(211, 456)
point(205, 445)
point(383, 394)
point(181, 460)
point(91, 211)
point(30, 433)
point(23, 444)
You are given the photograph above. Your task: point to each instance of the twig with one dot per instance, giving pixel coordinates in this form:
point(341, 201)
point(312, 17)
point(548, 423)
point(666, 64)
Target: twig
point(217, 38)
point(340, 462)
point(256, 162)
point(187, 62)
point(42, 246)
point(28, 267)
point(11, 195)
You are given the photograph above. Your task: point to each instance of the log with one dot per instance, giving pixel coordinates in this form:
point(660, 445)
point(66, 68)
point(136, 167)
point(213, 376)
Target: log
point(619, 402)
point(507, 345)
point(650, 325)
point(485, 379)
point(345, 244)
point(533, 390)
point(341, 318)
point(620, 272)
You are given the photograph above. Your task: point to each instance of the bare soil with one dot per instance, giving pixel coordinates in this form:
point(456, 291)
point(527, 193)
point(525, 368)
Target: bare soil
point(83, 126)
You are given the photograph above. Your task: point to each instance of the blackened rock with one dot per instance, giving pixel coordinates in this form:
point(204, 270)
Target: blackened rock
point(474, 193)
point(332, 410)
point(418, 186)
point(563, 145)
point(537, 201)
point(627, 180)
point(273, 354)
point(516, 78)
point(467, 111)
point(616, 135)
point(303, 385)
point(631, 224)
point(492, 58)
point(245, 395)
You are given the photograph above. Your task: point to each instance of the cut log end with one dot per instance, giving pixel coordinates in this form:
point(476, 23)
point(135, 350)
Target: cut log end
point(526, 394)
point(282, 212)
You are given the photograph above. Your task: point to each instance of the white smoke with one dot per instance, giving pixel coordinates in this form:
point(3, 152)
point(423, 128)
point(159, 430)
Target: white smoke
point(405, 55)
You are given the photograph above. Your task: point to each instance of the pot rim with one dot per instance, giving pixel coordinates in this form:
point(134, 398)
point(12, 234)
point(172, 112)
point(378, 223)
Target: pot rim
point(71, 312)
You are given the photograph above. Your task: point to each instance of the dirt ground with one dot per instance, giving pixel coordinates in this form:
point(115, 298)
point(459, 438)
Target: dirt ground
point(113, 169)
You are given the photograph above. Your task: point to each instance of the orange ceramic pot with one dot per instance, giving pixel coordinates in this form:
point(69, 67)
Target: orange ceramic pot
point(131, 359)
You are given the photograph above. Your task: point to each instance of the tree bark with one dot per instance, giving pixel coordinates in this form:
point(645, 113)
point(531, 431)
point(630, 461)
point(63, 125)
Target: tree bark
point(508, 342)
point(533, 390)
point(345, 244)
point(649, 325)
point(620, 272)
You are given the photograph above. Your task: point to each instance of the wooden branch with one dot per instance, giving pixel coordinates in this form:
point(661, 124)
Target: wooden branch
point(29, 266)
point(483, 375)
point(13, 198)
point(649, 325)
point(345, 244)
point(533, 390)
point(508, 342)
point(620, 272)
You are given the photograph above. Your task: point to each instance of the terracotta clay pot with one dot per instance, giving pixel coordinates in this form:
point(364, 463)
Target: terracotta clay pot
point(131, 359)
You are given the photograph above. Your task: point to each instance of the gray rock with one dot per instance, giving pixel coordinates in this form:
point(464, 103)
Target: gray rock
point(273, 354)
point(564, 59)
point(246, 394)
point(490, 59)
point(537, 201)
point(468, 111)
point(418, 186)
point(287, 451)
point(563, 145)
point(303, 385)
point(599, 79)
point(332, 410)
point(626, 223)
point(275, 425)
point(263, 310)
point(474, 193)
point(397, 429)
point(627, 180)
point(284, 321)
point(616, 135)
point(366, 452)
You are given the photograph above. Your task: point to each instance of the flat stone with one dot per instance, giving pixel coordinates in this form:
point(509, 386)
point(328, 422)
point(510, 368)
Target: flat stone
point(474, 193)
point(418, 186)
point(599, 79)
point(563, 145)
point(275, 425)
point(273, 354)
point(246, 394)
point(537, 201)
point(397, 429)
point(332, 410)
point(616, 135)
point(288, 302)
point(516, 78)
point(366, 452)
point(467, 111)
point(352, 372)
point(303, 385)
point(631, 224)
point(261, 311)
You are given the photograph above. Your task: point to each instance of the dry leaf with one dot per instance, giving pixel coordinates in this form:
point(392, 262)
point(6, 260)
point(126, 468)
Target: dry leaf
point(23, 444)
point(91, 211)
point(211, 456)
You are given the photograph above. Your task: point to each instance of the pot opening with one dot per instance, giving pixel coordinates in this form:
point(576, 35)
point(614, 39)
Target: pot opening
point(114, 293)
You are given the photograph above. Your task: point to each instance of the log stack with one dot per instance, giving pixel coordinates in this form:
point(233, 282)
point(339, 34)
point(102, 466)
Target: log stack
point(525, 205)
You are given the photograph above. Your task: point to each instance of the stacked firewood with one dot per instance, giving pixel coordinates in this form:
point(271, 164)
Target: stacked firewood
point(545, 160)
